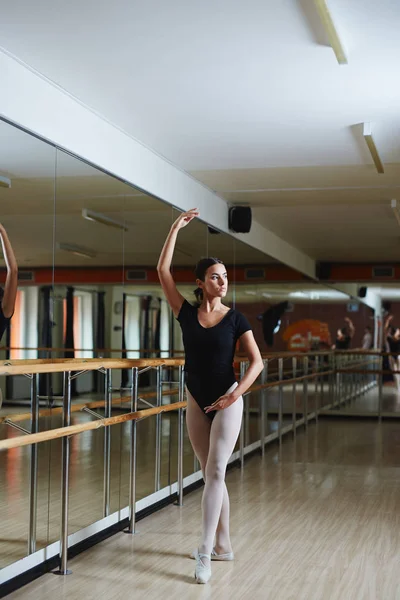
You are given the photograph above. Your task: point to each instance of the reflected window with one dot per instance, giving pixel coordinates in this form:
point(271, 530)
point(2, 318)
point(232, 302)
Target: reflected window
point(24, 336)
point(83, 324)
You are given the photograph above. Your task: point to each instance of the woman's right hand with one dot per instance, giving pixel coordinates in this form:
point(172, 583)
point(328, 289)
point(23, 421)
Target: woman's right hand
point(185, 218)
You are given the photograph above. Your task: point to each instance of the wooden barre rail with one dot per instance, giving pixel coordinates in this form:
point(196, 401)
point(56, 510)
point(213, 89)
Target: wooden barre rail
point(58, 410)
point(62, 365)
point(45, 436)
point(52, 434)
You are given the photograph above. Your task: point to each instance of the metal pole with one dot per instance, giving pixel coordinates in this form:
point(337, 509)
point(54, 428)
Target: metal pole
point(133, 452)
point(65, 478)
point(157, 482)
point(294, 374)
point(264, 374)
point(33, 465)
point(380, 380)
point(180, 437)
point(107, 444)
point(241, 440)
point(305, 393)
point(280, 399)
point(316, 381)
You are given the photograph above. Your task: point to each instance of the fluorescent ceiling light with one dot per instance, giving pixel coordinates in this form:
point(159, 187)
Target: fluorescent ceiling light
point(329, 26)
point(77, 250)
point(5, 182)
point(393, 204)
point(90, 215)
point(367, 133)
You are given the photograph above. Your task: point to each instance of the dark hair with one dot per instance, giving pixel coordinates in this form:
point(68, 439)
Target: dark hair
point(200, 271)
point(368, 328)
point(344, 331)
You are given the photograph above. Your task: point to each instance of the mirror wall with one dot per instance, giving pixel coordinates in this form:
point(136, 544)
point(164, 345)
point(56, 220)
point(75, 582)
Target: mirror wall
point(87, 246)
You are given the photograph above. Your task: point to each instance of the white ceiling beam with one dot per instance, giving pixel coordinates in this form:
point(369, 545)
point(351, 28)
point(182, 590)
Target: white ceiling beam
point(41, 107)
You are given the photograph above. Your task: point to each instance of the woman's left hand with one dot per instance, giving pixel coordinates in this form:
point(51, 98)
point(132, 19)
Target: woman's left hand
point(221, 403)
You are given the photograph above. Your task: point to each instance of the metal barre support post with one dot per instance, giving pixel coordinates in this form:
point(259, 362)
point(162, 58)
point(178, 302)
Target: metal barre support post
point(133, 452)
point(180, 436)
point(264, 376)
point(65, 478)
point(33, 465)
point(157, 482)
point(242, 427)
point(280, 400)
point(107, 443)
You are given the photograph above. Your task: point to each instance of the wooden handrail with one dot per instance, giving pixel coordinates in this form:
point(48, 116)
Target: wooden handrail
point(58, 410)
point(62, 365)
point(45, 436)
point(52, 434)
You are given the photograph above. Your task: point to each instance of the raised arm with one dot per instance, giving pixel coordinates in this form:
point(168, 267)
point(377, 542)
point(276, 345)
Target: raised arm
point(387, 325)
point(175, 299)
point(351, 327)
point(10, 288)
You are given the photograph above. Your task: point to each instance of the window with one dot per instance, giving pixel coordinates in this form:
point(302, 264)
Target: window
point(24, 337)
point(83, 324)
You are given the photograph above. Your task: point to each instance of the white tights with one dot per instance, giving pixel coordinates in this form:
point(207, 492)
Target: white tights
point(213, 443)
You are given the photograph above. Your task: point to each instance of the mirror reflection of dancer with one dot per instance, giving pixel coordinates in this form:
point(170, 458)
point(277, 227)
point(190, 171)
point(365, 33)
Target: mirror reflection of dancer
point(9, 294)
point(392, 337)
point(214, 398)
point(344, 336)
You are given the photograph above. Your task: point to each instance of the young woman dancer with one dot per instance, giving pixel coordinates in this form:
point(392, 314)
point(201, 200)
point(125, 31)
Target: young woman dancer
point(9, 294)
point(215, 404)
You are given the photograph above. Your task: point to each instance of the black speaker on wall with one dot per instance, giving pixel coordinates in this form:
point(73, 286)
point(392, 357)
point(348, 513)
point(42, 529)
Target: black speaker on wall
point(240, 219)
point(323, 270)
point(362, 292)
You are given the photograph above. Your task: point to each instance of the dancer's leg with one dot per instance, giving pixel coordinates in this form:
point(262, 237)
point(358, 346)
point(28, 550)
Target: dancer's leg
point(224, 432)
point(198, 426)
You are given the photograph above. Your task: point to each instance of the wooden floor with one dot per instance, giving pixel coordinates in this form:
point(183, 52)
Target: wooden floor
point(320, 521)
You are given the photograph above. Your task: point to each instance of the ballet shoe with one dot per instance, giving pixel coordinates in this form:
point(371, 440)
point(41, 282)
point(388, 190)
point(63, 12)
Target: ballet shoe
point(215, 556)
point(202, 572)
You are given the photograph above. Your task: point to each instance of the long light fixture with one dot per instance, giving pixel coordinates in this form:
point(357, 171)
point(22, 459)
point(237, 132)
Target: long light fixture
point(367, 133)
point(393, 204)
point(90, 215)
point(5, 182)
point(77, 250)
point(333, 36)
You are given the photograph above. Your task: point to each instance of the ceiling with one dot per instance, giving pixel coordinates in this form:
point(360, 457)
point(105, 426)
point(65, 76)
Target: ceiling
point(43, 209)
point(246, 96)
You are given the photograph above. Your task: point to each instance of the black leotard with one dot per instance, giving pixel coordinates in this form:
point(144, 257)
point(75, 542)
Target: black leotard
point(343, 344)
point(209, 353)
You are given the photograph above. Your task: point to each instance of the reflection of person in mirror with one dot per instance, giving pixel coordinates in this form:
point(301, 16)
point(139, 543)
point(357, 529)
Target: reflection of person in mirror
point(344, 336)
point(214, 398)
point(392, 345)
point(367, 339)
point(9, 293)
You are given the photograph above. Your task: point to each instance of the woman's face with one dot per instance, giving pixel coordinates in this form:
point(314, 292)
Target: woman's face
point(215, 283)
point(396, 334)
